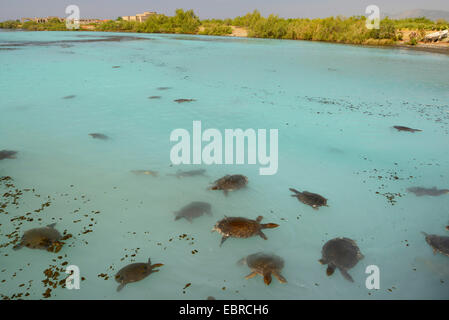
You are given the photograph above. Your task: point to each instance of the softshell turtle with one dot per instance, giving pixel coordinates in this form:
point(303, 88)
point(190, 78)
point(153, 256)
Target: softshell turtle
point(230, 183)
point(145, 172)
point(402, 128)
point(99, 136)
point(312, 199)
point(420, 191)
point(39, 238)
point(341, 253)
point(190, 173)
point(238, 227)
point(135, 272)
point(265, 265)
point(439, 244)
point(7, 154)
point(193, 210)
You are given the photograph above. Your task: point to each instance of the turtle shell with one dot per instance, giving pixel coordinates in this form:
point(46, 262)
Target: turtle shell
point(312, 199)
point(230, 182)
point(261, 262)
point(438, 243)
point(238, 227)
point(40, 238)
point(342, 252)
point(133, 272)
point(193, 210)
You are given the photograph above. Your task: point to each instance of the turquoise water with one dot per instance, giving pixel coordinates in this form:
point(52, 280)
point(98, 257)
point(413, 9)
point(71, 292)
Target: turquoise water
point(334, 107)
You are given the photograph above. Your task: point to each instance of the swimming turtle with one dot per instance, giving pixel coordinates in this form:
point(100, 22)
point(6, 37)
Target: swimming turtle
point(135, 272)
point(341, 253)
point(189, 173)
point(265, 265)
point(193, 210)
point(439, 244)
point(312, 199)
point(7, 154)
point(145, 172)
point(402, 128)
point(238, 227)
point(230, 183)
point(39, 238)
point(99, 136)
point(184, 100)
point(420, 191)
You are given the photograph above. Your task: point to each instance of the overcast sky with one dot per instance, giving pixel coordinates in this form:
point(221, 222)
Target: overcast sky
point(12, 9)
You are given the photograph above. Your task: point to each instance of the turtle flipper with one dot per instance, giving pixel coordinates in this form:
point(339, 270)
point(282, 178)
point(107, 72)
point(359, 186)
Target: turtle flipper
point(279, 277)
point(251, 275)
point(52, 225)
point(223, 240)
point(330, 269)
point(120, 287)
point(267, 278)
point(294, 191)
point(18, 246)
point(322, 261)
point(259, 218)
point(262, 235)
point(346, 275)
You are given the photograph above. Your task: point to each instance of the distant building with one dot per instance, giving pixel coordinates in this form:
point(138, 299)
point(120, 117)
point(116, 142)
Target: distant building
point(140, 17)
point(43, 20)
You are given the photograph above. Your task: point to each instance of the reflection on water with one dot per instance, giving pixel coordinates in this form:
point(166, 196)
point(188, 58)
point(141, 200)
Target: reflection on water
point(93, 148)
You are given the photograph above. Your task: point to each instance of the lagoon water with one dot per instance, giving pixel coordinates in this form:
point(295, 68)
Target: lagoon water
point(334, 107)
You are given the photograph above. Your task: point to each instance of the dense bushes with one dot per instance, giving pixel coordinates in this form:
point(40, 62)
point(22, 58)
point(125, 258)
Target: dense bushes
point(51, 25)
point(185, 22)
point(9, 24)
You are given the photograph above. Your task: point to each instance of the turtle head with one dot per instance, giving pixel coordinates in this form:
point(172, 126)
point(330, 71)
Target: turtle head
point(269, 225)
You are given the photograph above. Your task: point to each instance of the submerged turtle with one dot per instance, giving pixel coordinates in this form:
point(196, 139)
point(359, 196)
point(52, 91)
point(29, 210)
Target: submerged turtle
point(402, 128)
point(135, 272)
point(420, 191)
point(99, 136)
point(189, 173)
point(145, 172)
point(193, 210)
point(265, 265)
point(230, 183)
point(312, 199)
point(39, 238)
point(341, 253)
point(238, 227)
point(439, 244)
point(184, 100)
point(7, 154)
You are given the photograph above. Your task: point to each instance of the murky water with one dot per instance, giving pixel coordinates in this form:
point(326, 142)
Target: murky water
point(334, 106)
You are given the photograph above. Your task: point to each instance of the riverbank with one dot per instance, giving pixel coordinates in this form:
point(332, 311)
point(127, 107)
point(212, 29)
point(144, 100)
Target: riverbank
point(404, 33)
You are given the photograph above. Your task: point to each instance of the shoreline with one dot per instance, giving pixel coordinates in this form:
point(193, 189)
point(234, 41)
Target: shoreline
point(239, 32)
